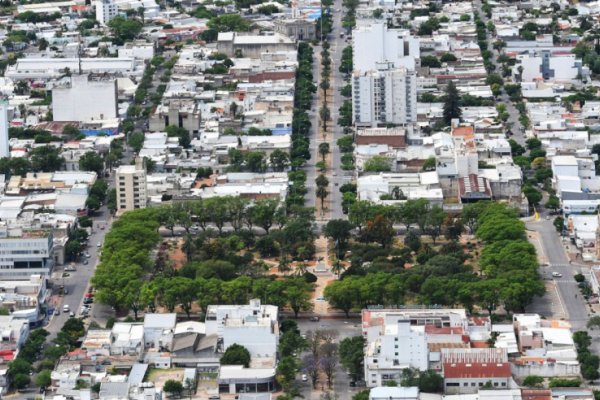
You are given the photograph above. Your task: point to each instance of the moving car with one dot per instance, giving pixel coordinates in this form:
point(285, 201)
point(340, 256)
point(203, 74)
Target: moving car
point(557, 275)
point(66, 308)
point(304, 378)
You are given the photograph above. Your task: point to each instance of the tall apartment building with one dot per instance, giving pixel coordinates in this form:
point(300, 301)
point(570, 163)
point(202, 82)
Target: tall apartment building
point(25, 252)
point(131, 186)
point(105, 11)
point(4, 147)
point(386, 95)
point(376, 43)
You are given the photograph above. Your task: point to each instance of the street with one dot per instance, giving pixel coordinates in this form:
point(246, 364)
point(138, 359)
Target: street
point(571, 300)
point(341, 383)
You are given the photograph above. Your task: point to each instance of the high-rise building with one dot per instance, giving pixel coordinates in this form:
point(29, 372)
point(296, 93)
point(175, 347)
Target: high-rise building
point(105, 11)
point(131, 186)
point(4, 147)
point(375, 43)
point(383, 96)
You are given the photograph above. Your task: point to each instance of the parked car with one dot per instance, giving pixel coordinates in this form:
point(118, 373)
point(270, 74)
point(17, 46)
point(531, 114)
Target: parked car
point(315, 319)
point(85, 262)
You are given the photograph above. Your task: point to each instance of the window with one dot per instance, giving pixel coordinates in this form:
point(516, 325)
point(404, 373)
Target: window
point(452, 384)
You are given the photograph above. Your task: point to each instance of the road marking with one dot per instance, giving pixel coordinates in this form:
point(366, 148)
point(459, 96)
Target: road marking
point(561, 302)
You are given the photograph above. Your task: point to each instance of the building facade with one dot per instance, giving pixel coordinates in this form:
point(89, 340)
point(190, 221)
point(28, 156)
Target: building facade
point(131, 186)
point(25, 252)
point(384, 96)
point(105, 11)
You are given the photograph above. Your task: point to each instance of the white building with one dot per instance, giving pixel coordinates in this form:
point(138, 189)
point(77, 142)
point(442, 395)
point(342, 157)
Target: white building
point(52, 68)
point(394, 393)
point(384, 96)
point(376, 43)
point(25, 252)
point(105, 11)
point(549, 66)
point(400, 346)
point(131, 186)
point(253, 326)
point(4, 147)
point(85, 99)
point(398, 339)
point(159, 330)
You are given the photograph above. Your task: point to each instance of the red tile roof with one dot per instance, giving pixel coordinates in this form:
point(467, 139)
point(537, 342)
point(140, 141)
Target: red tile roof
point(477, 370)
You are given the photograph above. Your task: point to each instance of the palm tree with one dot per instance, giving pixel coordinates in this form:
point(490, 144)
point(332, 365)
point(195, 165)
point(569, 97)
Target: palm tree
point(325, 115)
point(337, 267)
point(322, 194)
point(324, 150)
point(301, 269)
point(284, 264)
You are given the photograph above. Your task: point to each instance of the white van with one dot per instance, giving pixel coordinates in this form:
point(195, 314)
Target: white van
point(66, 308)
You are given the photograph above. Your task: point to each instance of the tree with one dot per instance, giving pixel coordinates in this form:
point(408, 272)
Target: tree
point(452, 103)
point(380, 230)
point(229, 23)
point(322, 194)
point(339, 230)
point(46, 159)
point(181, 133)
point(310, 364)
point(346, 144)
point(323, 149)
point(286, 372)
point(256, 161)
point(325, 115)
point(378, 164)
point(448, 57)
point(21, 381)
point(553, 202)
point(19, 366)
point(263, 213)
point(174, 387)
point(297, 295)
point(594, 322)
point(328, 365)
point(533, 381)
point(92, 161)
point(236, 355)
point(430, 61)
point(43, 378)
point(429, 164)
point(352, 355)
point(341, 294)
point(279, 159)
point(124, 29)
point(71, 131)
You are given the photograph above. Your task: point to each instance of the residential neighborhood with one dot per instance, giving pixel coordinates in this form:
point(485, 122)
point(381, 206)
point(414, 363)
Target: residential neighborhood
point(334, 199)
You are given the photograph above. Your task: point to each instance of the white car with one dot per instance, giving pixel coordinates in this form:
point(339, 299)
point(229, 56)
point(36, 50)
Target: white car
point(557, 275)
point(304, 378)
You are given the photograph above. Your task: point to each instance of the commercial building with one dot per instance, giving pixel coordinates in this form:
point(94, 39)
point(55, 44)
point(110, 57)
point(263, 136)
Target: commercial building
point(85, 98)
point(385, 95)
point(296, 29)
point(105, 11)
point(467, 370)
point(25, 252)
point(244, 45)
point(131, 186)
